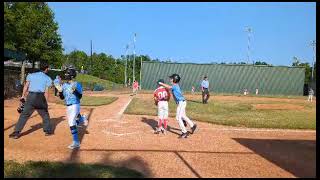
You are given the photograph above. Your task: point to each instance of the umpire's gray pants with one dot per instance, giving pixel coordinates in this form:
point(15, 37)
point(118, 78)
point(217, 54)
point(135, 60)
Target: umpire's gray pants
point(35, 101)
point(205, 95)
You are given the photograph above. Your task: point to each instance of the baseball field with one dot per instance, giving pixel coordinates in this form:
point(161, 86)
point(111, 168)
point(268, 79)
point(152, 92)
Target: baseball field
point(237, 136)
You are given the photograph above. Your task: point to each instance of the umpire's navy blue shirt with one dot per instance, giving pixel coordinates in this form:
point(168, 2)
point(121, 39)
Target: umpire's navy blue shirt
point(39, 81)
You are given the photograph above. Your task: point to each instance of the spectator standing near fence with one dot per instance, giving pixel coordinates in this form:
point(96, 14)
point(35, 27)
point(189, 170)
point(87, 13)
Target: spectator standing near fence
point(205, 90)
point(37, 87)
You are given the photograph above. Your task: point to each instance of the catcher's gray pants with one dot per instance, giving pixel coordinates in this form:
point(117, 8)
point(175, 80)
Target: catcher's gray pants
point(35, 101)
point(205, 95)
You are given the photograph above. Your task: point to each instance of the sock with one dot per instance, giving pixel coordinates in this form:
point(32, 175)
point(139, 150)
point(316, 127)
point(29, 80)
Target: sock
point(74, 133)
point(160, 123)
point(165, 123)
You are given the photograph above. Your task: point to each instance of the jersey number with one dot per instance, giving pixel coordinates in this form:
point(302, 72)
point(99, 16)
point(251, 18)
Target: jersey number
point(162, 95)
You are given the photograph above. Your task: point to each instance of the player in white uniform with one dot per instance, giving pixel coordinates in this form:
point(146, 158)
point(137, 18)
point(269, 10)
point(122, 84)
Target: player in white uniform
point(181, 102)
point(161, 97)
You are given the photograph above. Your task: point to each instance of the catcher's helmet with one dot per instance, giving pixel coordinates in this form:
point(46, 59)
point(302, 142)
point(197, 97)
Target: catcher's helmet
point(175, 77)
point(70, 73)
point(160, 80)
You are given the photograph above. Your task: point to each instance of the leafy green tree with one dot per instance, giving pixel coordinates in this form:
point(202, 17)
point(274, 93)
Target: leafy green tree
point(29, 27)
point(260, 63)
point(308, 69)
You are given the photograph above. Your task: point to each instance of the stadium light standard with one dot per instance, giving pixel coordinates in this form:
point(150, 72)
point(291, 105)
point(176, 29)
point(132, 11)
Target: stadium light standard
point(313, 44)
point(134, 56)
point(249, 31)
point(125, 70)
point(140, 71)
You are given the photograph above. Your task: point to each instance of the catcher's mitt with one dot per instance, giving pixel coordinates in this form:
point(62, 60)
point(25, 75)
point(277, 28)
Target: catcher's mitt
point(21, 106)
point(59, 87)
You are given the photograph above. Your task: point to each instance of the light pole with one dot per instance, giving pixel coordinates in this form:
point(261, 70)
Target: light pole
point(249, 31)
point(125, 70)
point(140, 71)
point(134, 56)
point(313, 44)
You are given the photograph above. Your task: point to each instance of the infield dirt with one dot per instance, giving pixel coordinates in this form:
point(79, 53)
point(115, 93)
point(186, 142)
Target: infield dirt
point(128, 140)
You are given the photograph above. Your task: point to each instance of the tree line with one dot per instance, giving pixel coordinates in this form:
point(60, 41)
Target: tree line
point(30, 27)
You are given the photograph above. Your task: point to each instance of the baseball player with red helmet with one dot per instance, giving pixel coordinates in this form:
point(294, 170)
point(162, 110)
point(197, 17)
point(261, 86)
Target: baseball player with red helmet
point(182, 103)
point(161, 97)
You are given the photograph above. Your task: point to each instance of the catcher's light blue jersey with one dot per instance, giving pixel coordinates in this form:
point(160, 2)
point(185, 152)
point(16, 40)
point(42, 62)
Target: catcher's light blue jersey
point(177, 93)
point(69, 97)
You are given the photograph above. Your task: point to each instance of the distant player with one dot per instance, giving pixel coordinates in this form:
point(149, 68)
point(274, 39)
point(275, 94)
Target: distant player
point(161, 97)
point(135, 87)
point(71, 92)
point(192, 89)
point(311, 93)
point(181, 102)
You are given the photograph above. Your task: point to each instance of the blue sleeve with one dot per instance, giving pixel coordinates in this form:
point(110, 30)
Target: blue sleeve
point(79, 87)
point(174, 88)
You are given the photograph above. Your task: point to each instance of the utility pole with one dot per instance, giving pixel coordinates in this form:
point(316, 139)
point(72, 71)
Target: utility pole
point(125, 70)
point(134, 56)
point(249, 31)
point(313, 44)
point(140, 71)
point(91, 57)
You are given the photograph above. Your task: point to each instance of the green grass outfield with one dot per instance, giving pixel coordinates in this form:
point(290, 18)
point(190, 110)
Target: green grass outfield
point(86, 79)
point(235, 94)
point(93, 101)
point(45, 169)
point(236, 113)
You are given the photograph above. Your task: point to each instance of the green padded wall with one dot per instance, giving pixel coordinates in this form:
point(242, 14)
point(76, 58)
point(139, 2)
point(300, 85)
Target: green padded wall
point(273, 80)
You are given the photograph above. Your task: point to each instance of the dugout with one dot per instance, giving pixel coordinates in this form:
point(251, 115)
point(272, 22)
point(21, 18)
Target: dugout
point(228, 78)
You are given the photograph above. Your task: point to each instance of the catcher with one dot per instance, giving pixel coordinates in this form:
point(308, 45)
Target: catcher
point(161, 97)
point(71, 93)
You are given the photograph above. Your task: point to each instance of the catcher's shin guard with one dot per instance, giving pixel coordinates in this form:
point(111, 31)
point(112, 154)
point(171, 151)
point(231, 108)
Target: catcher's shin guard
point(74, 132)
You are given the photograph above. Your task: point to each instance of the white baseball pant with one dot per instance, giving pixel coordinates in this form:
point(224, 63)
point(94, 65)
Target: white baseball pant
point(181, 114)
point(72, 113)
point(163, 109)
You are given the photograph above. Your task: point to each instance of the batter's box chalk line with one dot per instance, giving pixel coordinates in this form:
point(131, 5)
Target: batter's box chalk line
point(112, 120)
point(119, 134)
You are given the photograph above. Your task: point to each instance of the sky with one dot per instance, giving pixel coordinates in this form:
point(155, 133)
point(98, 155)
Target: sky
point(195, 32)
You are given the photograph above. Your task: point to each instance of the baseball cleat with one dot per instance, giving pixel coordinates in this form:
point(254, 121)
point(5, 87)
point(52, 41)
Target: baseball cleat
point(194, 127)
point(184, 135)
point(157, 131)
point(74, 145)
point(48, 133)
point(14, 135)
point(163, 131)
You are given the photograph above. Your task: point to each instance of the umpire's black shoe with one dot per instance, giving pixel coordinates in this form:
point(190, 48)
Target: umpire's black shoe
point(14, 135)
point(194, 127)
point(184, 135)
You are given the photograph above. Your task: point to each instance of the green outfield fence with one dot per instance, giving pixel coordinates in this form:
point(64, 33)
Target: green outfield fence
point(225, 78)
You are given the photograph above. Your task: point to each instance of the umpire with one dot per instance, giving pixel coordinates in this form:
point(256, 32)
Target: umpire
point(205, 90)
point(37, 84)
